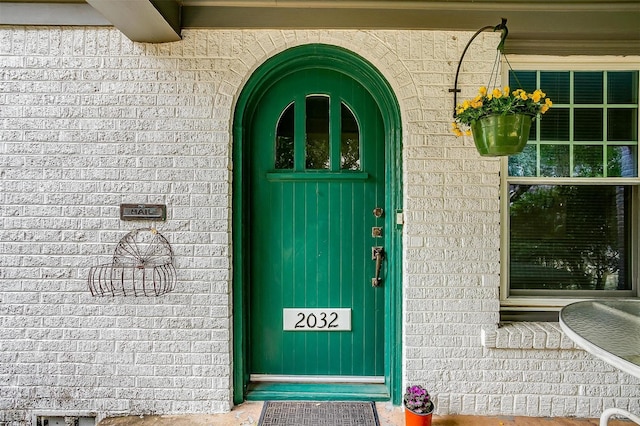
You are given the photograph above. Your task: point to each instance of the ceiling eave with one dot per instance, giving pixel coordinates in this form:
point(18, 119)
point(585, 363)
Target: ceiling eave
point(532, 29)
point(19, 13)
point(561, 27)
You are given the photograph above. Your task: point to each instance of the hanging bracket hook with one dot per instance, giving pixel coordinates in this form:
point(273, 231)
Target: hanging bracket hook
point(502, 26)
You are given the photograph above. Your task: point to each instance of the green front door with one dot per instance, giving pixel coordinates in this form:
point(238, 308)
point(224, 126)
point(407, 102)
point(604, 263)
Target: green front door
point(316, 174)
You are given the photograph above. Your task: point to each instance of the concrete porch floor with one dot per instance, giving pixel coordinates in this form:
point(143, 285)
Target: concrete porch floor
point(247, 414)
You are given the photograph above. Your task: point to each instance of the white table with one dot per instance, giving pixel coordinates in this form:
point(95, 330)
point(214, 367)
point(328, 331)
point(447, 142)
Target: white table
point(610, 330)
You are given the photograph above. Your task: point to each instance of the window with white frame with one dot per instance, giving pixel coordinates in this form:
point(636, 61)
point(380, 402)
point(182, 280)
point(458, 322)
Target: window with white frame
point(570, 199)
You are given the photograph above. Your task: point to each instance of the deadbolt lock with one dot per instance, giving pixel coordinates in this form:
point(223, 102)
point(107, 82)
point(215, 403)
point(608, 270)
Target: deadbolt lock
point(378, 212)
point(376, 231)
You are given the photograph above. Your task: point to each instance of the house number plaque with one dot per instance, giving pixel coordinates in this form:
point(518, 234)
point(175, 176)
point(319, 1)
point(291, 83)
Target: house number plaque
point(313, 319)
point(143, 212)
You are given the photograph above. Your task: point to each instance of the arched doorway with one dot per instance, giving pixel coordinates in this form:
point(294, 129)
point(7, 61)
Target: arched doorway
point(317, 192)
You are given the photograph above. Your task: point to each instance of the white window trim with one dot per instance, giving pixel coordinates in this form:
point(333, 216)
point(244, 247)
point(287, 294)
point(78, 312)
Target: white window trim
point(560, 63)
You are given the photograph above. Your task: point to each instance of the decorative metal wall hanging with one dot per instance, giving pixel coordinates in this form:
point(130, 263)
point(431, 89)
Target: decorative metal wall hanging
point(142, 266)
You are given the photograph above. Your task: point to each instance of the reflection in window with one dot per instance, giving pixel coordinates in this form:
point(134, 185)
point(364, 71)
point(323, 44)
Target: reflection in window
point(588, 161)
point(621, 161)
point(284, 139)
point(525, 163)
point(349, 140)
point(554, 160)
point(578, 241)
point(317, 130)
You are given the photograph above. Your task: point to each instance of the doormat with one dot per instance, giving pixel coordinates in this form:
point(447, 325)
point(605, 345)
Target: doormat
point(314, 413)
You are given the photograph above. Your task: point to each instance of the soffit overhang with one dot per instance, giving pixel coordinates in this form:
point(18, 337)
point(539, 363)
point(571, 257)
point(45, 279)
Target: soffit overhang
point(549, 27)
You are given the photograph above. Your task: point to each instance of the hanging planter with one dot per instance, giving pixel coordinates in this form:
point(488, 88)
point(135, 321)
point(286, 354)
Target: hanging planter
point(500, 120)
point(501, 134)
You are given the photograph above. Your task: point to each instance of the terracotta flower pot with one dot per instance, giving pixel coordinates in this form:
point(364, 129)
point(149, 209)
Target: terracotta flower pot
point(497, 135)
point(415, 419)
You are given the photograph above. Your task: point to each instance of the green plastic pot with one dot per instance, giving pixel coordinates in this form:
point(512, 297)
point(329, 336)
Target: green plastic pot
point(504, 134)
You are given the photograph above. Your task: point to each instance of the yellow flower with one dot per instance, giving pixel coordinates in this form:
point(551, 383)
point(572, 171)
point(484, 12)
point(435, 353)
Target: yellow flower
point(476, 103)
point(537, 95)
point(455, 129)
point(519, 93)
point(502, 100)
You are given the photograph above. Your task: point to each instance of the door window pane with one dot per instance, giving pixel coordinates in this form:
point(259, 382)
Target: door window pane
point(284, 139)
point(349, 140)
point(569, 237)
point(317, 132)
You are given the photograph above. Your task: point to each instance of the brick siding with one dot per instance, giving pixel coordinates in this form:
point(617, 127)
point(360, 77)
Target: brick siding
point(90, 120)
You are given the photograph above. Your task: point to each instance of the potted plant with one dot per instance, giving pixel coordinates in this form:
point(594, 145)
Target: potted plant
point(418, 406)
point(500, 121)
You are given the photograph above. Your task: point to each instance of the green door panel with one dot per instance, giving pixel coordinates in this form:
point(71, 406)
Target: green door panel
point(310, 234)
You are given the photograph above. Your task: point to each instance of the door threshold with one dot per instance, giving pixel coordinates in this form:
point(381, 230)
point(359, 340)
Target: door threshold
point(275, 391)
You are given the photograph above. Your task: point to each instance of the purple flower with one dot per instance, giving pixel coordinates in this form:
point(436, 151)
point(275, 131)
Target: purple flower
point(417, 399)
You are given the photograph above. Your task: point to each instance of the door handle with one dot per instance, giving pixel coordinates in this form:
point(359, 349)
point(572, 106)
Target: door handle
point(377, 254)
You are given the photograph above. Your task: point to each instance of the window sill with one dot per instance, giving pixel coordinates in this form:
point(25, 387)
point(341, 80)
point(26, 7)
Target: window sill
point(530, 335)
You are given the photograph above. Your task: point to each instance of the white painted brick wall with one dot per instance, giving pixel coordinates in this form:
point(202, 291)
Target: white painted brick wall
point(89, 120)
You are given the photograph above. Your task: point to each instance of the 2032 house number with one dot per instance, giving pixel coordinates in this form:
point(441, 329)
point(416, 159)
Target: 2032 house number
point(313, 319)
